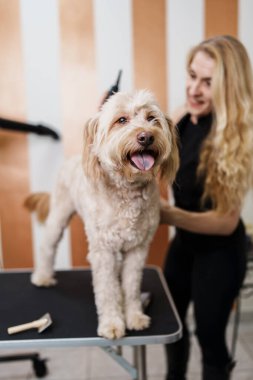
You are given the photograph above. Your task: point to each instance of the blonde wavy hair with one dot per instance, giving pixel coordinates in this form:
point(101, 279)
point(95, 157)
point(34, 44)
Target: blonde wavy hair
point(226, 159)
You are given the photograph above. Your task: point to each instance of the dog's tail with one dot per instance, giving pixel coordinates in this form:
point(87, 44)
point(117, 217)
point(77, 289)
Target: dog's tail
point(40, 203)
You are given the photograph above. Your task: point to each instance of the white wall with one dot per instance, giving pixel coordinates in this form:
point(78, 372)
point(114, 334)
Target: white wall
point(114, 51)
point(246, 36)
point(40, 40)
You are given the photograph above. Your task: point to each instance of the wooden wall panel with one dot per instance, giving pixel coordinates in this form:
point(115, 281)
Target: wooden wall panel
point(14, 169)
point(149, 47)
point(149, 52)
point(221, 17)
point(79, 91)
point(79, 101)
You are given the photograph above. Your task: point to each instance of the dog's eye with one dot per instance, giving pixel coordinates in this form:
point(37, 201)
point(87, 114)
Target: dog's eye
point(150, 118)
point(122, 120)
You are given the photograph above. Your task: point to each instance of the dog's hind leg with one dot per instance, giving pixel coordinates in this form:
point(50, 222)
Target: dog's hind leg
point(61, 209)
point(132, 270)
point(108, 294)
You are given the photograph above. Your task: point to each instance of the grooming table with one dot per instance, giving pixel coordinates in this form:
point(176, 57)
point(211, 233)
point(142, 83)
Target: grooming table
point(71, 306)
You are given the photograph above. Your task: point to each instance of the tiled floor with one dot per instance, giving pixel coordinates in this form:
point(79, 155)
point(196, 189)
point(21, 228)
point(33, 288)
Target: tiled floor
point(94, 364)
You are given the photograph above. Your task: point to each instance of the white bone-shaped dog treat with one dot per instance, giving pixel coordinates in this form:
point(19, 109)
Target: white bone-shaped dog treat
point(40, 324)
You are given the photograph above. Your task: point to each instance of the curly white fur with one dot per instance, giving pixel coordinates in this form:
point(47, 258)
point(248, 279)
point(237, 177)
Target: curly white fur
point(119, 203)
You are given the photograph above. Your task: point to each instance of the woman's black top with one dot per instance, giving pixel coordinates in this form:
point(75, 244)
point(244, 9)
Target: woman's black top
point(188, 188)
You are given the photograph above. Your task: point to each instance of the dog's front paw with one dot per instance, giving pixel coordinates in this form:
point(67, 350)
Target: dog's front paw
point(136, 320)
point(40, 278)
point(111, 328)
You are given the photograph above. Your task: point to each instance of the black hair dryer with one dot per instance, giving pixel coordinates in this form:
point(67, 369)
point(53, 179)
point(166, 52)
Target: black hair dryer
point(114, 88)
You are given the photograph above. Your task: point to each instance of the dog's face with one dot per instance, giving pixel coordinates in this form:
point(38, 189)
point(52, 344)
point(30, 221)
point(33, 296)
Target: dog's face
point(132, 138)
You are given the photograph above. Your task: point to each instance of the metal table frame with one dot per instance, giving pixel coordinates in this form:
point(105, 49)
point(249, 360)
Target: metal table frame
point(113, 348)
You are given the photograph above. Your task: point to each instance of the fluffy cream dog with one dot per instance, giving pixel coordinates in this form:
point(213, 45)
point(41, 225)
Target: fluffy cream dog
point(113, 189)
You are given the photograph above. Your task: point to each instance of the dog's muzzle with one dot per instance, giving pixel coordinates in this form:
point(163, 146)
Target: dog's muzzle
point(145, 139)
point(144, 158)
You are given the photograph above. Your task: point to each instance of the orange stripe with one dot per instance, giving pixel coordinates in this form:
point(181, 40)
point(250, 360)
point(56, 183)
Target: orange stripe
point(80, 97)
point(79, 93)
point(14, 169)
point(149, 31)
point(149, 47)
point(79, 243)
point(221, 17)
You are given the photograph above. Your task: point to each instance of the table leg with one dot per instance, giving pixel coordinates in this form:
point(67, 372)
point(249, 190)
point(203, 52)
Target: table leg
point(140, 362)
point(116, 354)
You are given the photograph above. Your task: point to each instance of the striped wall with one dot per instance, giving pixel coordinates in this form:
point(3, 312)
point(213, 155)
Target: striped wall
point(57, 58)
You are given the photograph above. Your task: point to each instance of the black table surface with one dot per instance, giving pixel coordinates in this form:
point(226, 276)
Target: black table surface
point(72, 309)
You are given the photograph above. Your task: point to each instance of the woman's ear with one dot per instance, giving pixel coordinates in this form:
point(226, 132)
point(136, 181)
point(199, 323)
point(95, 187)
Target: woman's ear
point(91, 163)
point(170, 166)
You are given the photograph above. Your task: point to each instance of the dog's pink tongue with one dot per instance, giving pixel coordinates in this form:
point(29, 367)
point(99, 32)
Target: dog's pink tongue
point(143, 161)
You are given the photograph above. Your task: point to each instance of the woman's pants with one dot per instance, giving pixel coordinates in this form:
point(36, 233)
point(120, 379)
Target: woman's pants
point(211, 278)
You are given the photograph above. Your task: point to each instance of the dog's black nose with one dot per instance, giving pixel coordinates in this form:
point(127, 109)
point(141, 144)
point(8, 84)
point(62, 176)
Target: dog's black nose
point(145, 139)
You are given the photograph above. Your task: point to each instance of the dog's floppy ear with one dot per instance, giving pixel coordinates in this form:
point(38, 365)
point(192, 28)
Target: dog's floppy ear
point(170, 166)
point(91, 163)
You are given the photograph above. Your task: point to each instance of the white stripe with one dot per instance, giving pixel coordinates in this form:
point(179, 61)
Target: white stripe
point(40, 41)
point(245, 11)
point(185, 28)
point(113, 39)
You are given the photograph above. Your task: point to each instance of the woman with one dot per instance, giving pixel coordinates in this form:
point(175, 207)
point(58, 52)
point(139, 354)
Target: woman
point(207, 258)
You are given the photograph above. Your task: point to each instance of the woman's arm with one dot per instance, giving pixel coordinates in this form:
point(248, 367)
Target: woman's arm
point(208, 222)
